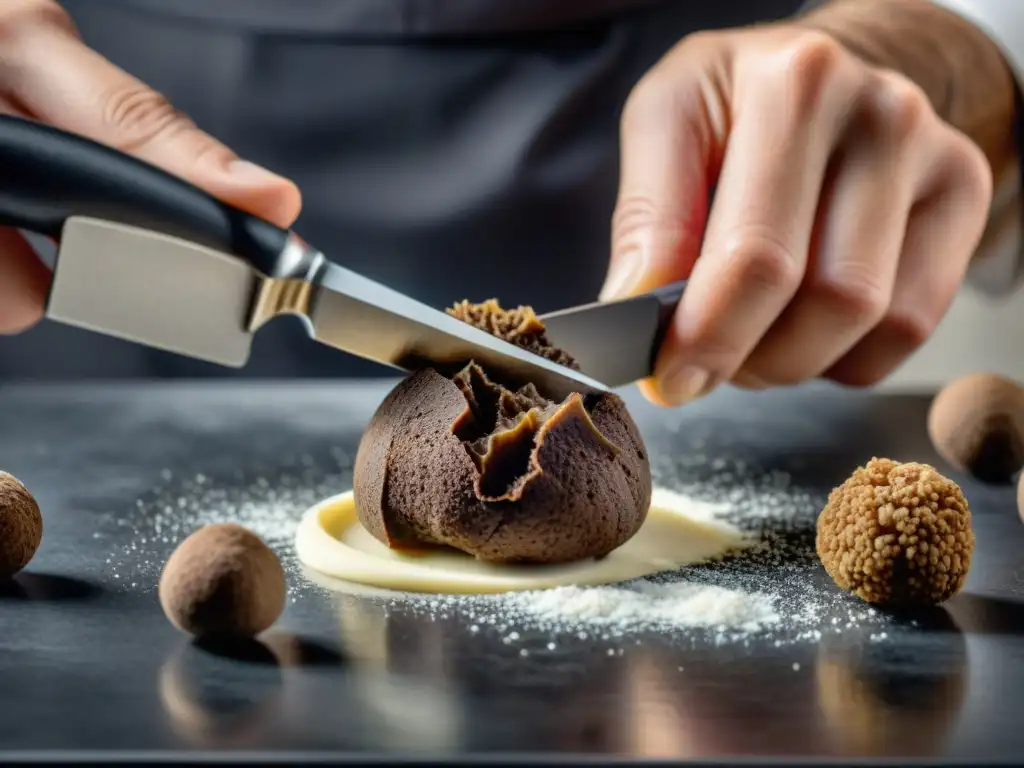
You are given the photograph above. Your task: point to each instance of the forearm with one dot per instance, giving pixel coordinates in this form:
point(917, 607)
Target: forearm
point(963, 72)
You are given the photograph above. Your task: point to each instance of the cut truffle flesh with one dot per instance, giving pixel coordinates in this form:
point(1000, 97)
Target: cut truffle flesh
point(505, 475)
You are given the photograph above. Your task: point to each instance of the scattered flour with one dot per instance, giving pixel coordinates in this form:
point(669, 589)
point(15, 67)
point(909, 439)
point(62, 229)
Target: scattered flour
point(647, 605)
point(774, 591)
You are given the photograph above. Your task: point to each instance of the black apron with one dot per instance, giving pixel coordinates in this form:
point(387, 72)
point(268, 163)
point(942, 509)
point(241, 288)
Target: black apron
point(449, 148)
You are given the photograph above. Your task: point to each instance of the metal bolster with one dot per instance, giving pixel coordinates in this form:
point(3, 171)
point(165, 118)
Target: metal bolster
point(289, 291)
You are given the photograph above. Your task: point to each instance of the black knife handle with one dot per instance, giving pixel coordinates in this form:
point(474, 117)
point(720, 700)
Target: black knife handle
point(48, 175)
point(668, 297)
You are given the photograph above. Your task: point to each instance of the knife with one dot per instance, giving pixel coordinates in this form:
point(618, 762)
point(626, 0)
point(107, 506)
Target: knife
point(616, 342)
point(147, 257)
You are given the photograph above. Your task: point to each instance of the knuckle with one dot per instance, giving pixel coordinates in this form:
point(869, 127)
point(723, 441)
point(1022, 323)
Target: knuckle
point(857, 295)
point(639, 216)
point(20, 20)
point(635, 212)
point(138, 115)
point(810, 65)
point(719, 352)
point(906, 331)
point(17, 15)
point(970, 171)
point(902, 105)
point(764, 261)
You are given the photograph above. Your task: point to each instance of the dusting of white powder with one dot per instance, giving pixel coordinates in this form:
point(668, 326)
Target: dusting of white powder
point(775, 589)
point(648, 605)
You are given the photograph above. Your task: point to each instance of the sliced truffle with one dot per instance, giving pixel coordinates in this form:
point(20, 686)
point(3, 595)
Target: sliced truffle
point(897, 534)
point(504, 475)
point(519, 326)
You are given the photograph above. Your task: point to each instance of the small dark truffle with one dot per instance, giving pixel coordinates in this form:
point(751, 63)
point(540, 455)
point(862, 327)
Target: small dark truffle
point(504, 475)
point(897, 534)
point(21, 525)
point(223, 581)
point(976, 423)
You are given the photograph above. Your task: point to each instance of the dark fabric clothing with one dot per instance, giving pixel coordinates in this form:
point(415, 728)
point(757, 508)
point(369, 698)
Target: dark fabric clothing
point(396, 18)
point(459, 149)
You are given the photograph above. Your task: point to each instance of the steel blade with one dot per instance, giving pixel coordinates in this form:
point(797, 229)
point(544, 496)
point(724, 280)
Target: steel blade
point(356, 314)
point(152, 289)
point(615, 342)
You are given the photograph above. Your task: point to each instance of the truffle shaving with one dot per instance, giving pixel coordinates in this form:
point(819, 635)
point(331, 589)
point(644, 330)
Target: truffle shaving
point(519, 326)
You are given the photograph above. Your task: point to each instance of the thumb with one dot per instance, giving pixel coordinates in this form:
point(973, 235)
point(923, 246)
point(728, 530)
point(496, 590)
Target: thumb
point(664, 183)
point(60, 81)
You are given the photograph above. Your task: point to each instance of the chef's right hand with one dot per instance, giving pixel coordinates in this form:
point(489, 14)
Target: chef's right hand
point(48, 74)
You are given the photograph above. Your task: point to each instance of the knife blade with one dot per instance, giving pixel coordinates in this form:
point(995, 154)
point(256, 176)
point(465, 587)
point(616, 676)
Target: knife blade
point(616, 342)
point(147, 257)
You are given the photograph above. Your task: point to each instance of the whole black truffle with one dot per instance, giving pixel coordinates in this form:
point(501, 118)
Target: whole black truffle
point(504, 475)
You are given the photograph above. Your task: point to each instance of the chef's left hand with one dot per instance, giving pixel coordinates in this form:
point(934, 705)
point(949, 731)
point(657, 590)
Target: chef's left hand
point(844, 215)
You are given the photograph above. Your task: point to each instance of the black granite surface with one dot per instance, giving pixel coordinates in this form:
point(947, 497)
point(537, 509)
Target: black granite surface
point(90, 667)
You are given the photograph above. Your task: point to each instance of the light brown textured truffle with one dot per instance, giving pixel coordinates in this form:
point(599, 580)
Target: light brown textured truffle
point(897, 534)
point(223, 581)
point(976, 424)
point(21, 525)
point(504, 475)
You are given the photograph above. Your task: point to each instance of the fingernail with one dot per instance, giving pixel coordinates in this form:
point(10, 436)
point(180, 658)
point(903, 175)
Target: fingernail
point(624, 274)
point(682, 384)
point(250, 173)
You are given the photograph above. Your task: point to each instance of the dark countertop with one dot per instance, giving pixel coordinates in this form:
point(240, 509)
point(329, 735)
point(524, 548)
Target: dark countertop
point(90, 665)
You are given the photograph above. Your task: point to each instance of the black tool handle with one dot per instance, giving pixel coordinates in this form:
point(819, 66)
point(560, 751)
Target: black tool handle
point(668, 297)
point(48, 175)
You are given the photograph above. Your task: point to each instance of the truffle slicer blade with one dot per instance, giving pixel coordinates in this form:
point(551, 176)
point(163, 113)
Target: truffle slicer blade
point(353, 313)
point(615, 342)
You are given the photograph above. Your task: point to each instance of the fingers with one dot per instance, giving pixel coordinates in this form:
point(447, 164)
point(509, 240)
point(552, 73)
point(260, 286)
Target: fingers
point(859, 238)
point(943, 230)
point(24, 280)
point(758, 236)
point(670, 152)
point(50, 74)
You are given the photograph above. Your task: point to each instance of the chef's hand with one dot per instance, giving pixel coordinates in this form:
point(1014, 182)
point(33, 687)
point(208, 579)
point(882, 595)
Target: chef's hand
point(843, 218)
point(48, 74)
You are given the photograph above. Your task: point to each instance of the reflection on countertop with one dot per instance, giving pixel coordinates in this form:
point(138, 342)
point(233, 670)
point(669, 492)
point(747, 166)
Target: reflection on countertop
point(894, 698)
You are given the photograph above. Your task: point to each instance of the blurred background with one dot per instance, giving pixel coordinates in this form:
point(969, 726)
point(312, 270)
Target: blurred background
point(450, 155)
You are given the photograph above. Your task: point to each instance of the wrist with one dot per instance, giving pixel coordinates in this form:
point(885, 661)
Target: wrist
point(963, 72)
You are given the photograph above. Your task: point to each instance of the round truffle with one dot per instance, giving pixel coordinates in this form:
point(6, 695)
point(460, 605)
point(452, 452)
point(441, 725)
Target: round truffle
point(1020, 496)
point(897, 534)
point(507, 476)
point(976, 424)
point(223, 581)
point(21, 525)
